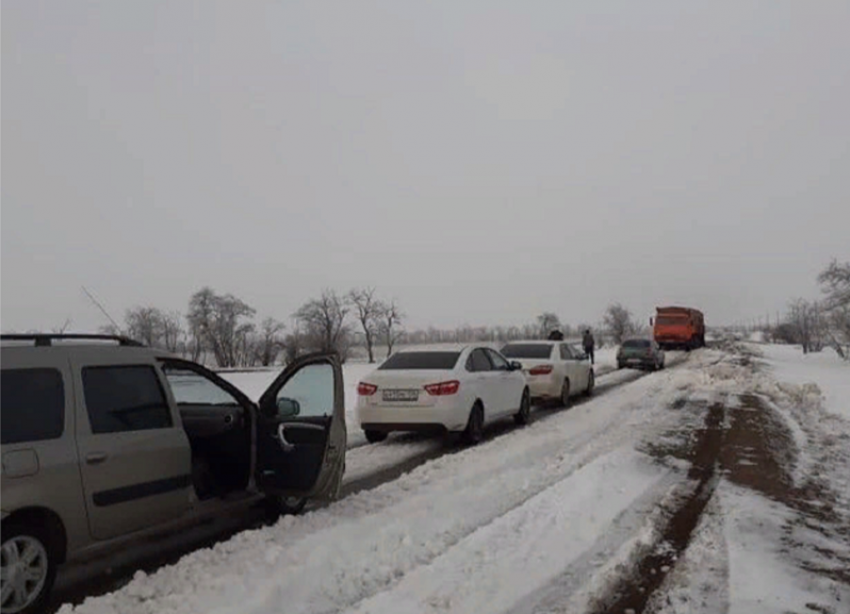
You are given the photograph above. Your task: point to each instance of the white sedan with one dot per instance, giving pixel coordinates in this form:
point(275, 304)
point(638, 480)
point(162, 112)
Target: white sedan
point(458, 390)
point(555, 369)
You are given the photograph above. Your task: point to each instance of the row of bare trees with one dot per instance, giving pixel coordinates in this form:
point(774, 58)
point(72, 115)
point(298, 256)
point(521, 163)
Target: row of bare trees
point(815, 324)
point(216, 326)
point(333, 322)
point(221, 328)
point(618, 323)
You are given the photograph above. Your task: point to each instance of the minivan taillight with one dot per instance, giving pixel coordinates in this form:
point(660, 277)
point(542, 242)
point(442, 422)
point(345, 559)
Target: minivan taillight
point(443, 388)
point(366, 390)
point(541, 370)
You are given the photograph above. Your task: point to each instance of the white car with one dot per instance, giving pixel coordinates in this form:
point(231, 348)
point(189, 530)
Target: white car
point(555, 370)
point(455, 390)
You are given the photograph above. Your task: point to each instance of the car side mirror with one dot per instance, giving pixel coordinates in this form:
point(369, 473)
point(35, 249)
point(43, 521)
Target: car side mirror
point(516, 366)
point(288, 408)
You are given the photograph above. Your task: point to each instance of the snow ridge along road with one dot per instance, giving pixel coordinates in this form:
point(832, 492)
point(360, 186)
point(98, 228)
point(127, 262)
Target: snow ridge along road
point(340, 556)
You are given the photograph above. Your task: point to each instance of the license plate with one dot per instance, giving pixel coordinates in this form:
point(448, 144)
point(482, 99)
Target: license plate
point(633, 360)
point(401, 395)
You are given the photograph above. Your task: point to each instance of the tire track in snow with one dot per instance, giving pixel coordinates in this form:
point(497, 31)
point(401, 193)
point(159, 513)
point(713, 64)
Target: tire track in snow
point(633, 572)
point(533, 540)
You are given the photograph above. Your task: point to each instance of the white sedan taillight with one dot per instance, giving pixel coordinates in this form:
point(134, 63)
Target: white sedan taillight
point(366, 390)
point(443, 388)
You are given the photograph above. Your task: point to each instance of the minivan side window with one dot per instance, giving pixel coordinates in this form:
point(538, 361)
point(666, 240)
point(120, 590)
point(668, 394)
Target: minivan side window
point(125, 398)
point(32, 402)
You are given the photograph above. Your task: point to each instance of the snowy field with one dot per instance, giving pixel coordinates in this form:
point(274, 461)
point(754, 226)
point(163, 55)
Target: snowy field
point(721, 484)
point(825, 369)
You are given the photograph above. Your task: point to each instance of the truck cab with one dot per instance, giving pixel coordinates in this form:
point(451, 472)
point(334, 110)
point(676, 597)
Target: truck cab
point(678, 328)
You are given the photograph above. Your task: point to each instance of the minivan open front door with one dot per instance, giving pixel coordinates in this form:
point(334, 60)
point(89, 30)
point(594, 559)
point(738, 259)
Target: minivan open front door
point(301, 435)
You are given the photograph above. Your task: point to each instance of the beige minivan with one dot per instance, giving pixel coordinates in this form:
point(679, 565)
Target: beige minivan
point(105, 442)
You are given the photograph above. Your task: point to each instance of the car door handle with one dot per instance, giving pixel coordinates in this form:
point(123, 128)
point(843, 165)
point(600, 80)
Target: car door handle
point(95, 458)
point(281, 433)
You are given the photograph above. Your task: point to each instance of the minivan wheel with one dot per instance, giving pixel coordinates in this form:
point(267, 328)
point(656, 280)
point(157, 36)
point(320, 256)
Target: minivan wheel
point(374, 436)
point(28, 569)
point(524, 414)
point(474, 431)
point(281, 505)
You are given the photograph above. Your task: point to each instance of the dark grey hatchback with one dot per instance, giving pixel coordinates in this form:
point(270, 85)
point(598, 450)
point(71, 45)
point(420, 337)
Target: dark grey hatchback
point(640, 354)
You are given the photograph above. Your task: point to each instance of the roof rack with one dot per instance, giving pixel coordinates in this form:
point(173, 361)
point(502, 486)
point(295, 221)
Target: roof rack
point(46, 339)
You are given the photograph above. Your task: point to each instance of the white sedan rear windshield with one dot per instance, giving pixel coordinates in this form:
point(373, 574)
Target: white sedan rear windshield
point(421, 360)
point(527, 350)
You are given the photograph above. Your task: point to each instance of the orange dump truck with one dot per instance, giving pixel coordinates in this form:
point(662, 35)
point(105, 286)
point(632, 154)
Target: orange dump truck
point(679, 328)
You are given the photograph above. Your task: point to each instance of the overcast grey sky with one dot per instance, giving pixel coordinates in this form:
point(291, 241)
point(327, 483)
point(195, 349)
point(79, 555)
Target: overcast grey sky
point(479, 161)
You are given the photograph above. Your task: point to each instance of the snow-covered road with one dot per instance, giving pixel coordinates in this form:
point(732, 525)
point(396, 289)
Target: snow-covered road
point(367, 467)
point(339, 556)
point(708, 487)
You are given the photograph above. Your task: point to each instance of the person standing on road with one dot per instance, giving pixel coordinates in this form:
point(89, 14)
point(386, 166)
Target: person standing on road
point(589, 343)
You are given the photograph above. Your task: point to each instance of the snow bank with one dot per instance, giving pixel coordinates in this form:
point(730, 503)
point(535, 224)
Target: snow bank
point(535, 540)
point(762, 578)
point(823, 372)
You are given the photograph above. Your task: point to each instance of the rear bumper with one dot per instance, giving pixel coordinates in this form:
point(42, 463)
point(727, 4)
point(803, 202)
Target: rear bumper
point(544, 390)
point(637, 363)
point(394, 418)
point(676, 344)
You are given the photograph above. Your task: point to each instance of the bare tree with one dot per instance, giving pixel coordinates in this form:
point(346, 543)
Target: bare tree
point(808, 322)
point(547, 322)
point(144, 324)
point(369, 312)
point(172, 330)
point(390, 326)
point(270, 341)
point(531, 331)
point(835, 285)
point(293, 343)
point(194, 346)
point(219, 322)
point(618, 322)
point(324, 323)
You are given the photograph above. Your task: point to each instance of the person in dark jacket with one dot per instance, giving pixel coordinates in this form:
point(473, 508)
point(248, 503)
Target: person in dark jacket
point(556, 335)
point(589, 344)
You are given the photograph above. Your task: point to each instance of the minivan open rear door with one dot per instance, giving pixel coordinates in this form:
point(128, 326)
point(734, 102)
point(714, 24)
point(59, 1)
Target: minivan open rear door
point(301, 434)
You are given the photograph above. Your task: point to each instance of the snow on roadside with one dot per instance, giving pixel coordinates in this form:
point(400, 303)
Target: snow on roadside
point(534, 540)
point(762, 578)
point(753, 554)
point(337, 556)
point(823, 372)
point(366, 460)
